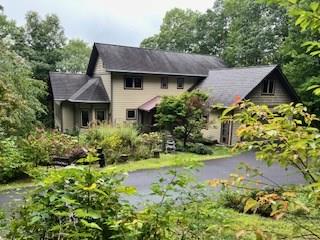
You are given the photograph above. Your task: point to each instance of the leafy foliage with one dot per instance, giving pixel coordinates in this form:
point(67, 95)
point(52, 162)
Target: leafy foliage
point(177, 32)
point(12, 164)
point(183, 114)
point(241, 32)
point(19, 95)
point(74, 203)
point(75, 57)
point(199, 148)
point(306, 14)
point(122, 140)
point(283, 135)
point(45, 38)
point(41, 146)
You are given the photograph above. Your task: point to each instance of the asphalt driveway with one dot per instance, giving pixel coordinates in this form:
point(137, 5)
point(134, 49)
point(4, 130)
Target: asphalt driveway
point(218, 168)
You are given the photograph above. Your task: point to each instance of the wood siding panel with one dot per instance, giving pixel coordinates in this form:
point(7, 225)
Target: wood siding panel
point(213, 128)
point(57, 114)
point(280, 96)
point(131, 99)
point(67, 117)
point(100, 71)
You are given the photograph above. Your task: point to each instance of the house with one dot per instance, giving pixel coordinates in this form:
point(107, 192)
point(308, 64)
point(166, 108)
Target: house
point(125, 84)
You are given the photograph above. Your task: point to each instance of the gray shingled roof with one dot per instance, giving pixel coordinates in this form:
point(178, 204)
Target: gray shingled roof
point(226, 85)
point(91, 91)
point(77, 88)
point(140, 60)
point(64, 85)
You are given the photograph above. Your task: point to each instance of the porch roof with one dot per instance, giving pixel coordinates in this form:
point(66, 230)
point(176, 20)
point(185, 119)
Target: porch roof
point(92, 92)
point(150, 104)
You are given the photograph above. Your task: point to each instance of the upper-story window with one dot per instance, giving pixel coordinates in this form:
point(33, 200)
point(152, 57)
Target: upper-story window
point(180, 83)
point(164, 82)
point(268, 87)
point(133, 82)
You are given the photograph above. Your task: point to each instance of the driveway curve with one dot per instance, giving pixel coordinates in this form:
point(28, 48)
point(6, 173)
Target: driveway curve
point(218, 168)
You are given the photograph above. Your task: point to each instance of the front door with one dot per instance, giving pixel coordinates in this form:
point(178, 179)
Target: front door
point(226, 133)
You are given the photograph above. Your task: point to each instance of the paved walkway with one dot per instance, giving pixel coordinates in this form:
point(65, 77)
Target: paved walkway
point(218, 168)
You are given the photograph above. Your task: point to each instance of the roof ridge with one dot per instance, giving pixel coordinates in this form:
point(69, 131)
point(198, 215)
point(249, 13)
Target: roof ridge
point(83, 88)
point(68, 73)
point(159, 50)
point(248, 67)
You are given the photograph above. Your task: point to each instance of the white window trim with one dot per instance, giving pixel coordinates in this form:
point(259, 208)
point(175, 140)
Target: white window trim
point(135, 114)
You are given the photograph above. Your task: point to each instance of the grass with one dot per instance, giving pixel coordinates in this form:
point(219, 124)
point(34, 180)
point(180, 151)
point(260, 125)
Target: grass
point(170, 160)
point(28, 182)
point(165, 160)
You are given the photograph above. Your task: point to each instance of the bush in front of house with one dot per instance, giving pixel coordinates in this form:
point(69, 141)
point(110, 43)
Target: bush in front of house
point(199, 148)
point(42, 146)
point(122, 140)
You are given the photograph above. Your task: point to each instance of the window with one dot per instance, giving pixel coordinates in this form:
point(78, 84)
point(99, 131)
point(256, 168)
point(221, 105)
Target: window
point(268, 87)
point(100, 115)
point(133, 83)
point(180, 83)
point(164, 83)
point(84, 118)
point(131, 114)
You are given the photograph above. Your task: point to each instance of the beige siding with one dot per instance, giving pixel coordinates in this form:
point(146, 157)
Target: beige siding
point(131, 99)
point(67, 117)
point(99, 70)
point(213, 130)
point(280, 96)
point(57, 114)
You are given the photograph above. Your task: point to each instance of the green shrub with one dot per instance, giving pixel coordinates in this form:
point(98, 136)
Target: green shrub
point(74, 203)
point(231, 199)
point(42, 145)
point(12, 165)
point(122, 139)
point(199, 148)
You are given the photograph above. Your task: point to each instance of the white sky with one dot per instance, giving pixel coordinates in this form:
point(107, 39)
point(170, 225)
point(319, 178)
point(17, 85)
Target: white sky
point(124, 22)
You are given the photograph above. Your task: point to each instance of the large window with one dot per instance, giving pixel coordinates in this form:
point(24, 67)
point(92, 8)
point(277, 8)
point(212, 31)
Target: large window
point(100, 115)
point(268, 87)
point(133, 82)
point(131, 114)
point(84, 118)
point(180, 83)
point(164, 82)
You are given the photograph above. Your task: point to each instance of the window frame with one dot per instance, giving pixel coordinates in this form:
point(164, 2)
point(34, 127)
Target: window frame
point(166, 81)
point(135, 114)
point(268, 81)
point(180, 78)
point(81, 119)
point(104, 114)
point(133, 82)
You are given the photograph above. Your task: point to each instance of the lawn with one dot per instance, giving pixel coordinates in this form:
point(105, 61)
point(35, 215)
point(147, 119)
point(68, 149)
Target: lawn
point(165, 160)
point(170, 160)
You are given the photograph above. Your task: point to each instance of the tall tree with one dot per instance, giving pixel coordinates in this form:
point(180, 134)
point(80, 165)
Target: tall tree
point(256, 32)
point(306, 14)
point(75, 57)
point(19, 94)
point(12, 35)
point(45, 38)
point(212, 30)
point(177, 32)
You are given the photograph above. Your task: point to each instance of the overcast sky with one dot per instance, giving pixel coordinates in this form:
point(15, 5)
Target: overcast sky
point(124, 22)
